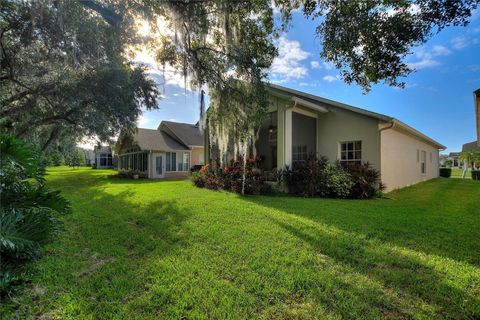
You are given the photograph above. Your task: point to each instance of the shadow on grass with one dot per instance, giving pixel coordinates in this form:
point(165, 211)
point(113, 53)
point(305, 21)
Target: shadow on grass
point(408, 281)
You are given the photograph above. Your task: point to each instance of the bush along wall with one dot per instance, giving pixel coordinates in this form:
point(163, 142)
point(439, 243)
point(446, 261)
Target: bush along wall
point(476, 175)
point(229, 177)
point(28, 211)
point(313, 177)
point(317, 177)
point(446, 172)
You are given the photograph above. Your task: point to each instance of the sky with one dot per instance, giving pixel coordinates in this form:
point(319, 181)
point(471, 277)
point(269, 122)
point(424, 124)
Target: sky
point(437, 100)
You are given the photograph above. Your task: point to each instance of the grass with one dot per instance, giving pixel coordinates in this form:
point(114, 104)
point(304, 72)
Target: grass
point(164, 249)
point(458, 173)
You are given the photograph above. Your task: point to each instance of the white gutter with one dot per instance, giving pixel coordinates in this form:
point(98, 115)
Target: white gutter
point(300, 102)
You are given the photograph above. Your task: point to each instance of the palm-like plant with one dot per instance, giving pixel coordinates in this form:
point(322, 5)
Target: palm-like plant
point(470, 158)
point(28, 209)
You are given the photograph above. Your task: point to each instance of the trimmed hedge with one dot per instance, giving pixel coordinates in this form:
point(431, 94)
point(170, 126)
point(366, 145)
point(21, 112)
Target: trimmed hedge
point(476, 174)
point(445, 172)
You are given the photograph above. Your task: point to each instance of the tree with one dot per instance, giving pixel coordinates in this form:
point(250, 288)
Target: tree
point(470, 158)
point(65, 70)
point(75, 158)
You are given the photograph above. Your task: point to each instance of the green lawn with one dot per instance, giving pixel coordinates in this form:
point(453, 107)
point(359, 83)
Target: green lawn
point(164, 249)
point(457, 173)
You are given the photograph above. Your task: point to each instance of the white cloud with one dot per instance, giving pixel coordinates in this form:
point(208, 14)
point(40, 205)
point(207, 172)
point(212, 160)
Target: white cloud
point(459, 43)
point(142, 120)
point(424, 63)
point(328, 65)
point(331, 78)
point(425, 58)
point(315, 64)
point(288, 63)
point(303, 84)
point(440, 51)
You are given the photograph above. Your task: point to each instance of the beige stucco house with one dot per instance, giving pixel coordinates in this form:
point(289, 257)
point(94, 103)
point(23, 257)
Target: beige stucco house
point(301, 123)
point(167, 152)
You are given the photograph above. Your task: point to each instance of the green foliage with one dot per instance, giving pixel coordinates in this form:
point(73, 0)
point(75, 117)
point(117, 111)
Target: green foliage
point(230, 177)
point(445, 172)
point(366, 181)
point(448, 163)
point(75, 158)
point(476, 174)
point(470, 157)
point(65, 73)
point(28, 209)
point(317, 177)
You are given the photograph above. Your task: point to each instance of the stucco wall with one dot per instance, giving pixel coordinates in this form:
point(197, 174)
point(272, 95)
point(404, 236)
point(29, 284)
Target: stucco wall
point(176, 175)
point(342, 125)
point(399, 165)
point(197, 156)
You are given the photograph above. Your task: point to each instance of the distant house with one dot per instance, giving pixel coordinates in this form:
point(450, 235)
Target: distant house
point(103, 157)
point(455, 158)
point(89, 156)
point(300, 124)
point(166, 152)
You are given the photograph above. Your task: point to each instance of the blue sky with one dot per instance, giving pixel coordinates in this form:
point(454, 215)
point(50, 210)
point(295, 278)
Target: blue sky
point(438, 99)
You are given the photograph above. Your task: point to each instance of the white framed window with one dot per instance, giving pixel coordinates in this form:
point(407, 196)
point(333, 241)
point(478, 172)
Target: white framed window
point(350, 152)
point(423, 164)
point(171, 161)
point(184, 161)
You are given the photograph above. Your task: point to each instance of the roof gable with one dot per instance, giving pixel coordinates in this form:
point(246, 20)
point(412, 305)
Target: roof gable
point(186, 133)
point(151, 139)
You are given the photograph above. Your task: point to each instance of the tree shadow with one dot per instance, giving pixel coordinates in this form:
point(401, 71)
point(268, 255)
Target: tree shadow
point(409, 284)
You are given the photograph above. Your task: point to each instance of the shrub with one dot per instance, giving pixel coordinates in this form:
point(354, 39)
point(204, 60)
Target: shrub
point(334, 182)
point(304, 177)
point(28, 209)
point(198, 179)
point(230, 177)
point(94, 165)
point(366, 181)
point(446, 172)
point(476, 174)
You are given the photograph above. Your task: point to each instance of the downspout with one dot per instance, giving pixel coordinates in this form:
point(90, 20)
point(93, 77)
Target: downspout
point(392, 125)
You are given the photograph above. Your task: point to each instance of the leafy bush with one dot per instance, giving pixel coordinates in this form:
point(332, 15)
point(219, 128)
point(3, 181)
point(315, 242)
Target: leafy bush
point(129, 174)
point(230, 177)
point(28, 209)
point(476, 174)
point(94, 165)
point(198, 179)
point(446, 172)
point(317, 177)
point(334, 182)
point(366, 181)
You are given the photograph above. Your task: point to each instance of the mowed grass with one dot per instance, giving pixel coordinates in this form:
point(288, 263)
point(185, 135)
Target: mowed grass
point(458, 173)
point(165, 249)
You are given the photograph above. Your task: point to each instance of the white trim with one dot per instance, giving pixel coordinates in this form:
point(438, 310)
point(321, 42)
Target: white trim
point(308, 104)
point(305, 112)
point(288, 137)
point(154, 165)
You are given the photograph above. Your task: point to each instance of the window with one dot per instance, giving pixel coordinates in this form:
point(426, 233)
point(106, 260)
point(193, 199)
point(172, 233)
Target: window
point(171, 161)
point(105, 159)
point(350, 152)
point(423, 164)
point(299, 153)
point(418, 155)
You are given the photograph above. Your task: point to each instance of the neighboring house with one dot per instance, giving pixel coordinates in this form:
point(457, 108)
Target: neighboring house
point(166, 152)
point(89, 156)
point(455, 158)
point(300, 123)
point(103, 157)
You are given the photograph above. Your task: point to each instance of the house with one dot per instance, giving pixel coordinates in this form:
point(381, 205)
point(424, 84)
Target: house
point(103, 157)
point(166, 152)
point(300, 124)
point(454, 157)
point(89, 156)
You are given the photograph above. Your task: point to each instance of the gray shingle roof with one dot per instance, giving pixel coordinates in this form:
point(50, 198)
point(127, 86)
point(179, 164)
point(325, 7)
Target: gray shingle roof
point(187, 133)
point(471, 145)
point(151, 139)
